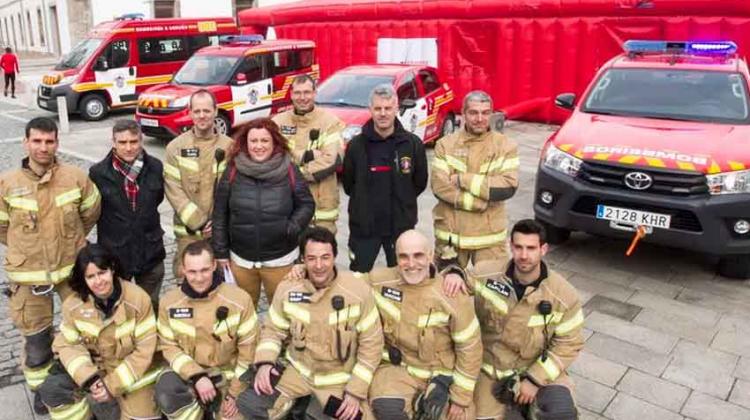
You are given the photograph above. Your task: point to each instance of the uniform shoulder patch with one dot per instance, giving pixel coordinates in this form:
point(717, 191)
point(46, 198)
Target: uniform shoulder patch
point(181, 313)
point(498, 287)
point(190, 152)
point(392, 293)
point(288, 130)
point(299, 297)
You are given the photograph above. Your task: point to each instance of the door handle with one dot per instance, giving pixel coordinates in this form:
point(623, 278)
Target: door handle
point(269, 89)
point(131, 70)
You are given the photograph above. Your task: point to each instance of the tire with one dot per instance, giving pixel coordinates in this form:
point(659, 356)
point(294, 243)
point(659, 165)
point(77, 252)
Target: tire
point(735, 266)
point(93, 107)
point(222, 124)
point(448, 126)
point(555, 235)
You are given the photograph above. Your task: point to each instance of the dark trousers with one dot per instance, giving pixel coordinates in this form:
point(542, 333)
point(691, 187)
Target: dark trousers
point(363, 251)
point(10, 78)
point(151, 283)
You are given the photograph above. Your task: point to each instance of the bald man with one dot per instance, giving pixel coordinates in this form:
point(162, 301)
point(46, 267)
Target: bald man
point(433, 346)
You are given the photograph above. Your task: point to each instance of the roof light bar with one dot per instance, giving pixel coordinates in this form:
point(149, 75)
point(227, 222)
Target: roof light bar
point(241, 39)
point(680, 47)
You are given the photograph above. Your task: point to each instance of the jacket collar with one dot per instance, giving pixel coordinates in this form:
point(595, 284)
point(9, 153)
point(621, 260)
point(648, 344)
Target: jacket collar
point(25, 166)
point(107, 306)
point(110, 171)
point(398, 132)
point(469, 137)
point(192, 294)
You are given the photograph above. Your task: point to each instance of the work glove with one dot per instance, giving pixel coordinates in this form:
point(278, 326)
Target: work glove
point(430, 404)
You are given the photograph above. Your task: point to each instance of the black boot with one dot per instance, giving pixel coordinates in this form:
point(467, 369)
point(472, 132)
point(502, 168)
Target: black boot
point(39, 407)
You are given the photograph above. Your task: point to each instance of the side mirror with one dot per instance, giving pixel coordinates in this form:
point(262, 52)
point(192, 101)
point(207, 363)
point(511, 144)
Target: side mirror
point(566, 100)
point(101, 64)
point(240, 79)
point(497, 121)
point(406, 104)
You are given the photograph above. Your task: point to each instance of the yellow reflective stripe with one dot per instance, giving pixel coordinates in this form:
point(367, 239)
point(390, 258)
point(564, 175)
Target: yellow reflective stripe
point(87, 328)
point(41, 277)
point(77, 363)
point(455, 163)
point(365, 323)
point(278, 320)
point(227, 324)
point(180, 361)
point(337, 378)
point(538, 320)
point(329, 139)
point(171, 171)
point(147, 379)
point(467, 201)
point(189, 164)
point(90, 200)
point(220, 168)
point(182, 327)
point(271, 346)
point(4, 217)
point(471, 242)
point(362, 373)
point(302, 369)
point(425, 373)
point(191, 412)
point(550, 368)
point(296, 311)
point(125, 329)
point(35, 377)
point(440, 164)
point(344, 315)
point(181, 230)
point(464, 381)
point(326, 214)
point(189, 209)
point(22, 203)
point(71, 334)
point(77, 411)
point(389, 308)
point(475, 187)
point(497, 373)
point(127, 378)
point(247, 326)
point(67, 197)
point(433, 319)
point(466, 334)
point(509, 164)
point(240, 369)
point(165, 331)
point(567, 326)
point(502, 165)
point(145, 326)
point(498, 302)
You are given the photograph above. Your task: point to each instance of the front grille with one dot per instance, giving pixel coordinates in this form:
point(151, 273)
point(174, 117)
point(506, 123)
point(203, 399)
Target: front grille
point(681, 219)
point(45, 91)
point(665, 181)
point(158, 111)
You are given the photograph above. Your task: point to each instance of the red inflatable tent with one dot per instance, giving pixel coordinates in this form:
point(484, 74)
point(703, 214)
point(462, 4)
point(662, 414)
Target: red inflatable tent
point(524, 52)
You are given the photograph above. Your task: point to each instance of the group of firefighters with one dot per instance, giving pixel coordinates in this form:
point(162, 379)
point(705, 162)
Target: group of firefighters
point(450, 329)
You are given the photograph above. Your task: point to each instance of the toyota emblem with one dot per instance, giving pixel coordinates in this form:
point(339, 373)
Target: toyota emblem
point(638, 180)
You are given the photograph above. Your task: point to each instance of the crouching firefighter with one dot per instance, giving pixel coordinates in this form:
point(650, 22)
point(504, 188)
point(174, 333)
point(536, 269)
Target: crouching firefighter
point(105, 347)
point(531, 331)
point(335, 339)
point(433, 349)
point(207, 333)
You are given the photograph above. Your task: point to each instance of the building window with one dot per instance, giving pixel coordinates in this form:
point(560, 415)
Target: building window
point(164, 8)
point(40, 22)
point(20, 29)
point(240, 5)
point(28, 26)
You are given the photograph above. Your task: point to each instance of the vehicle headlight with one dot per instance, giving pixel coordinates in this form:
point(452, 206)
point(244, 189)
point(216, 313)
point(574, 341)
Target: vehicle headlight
point(68, 79)
point(729, 182)
point(180, 102)
point(560, 161)
point(350, 132)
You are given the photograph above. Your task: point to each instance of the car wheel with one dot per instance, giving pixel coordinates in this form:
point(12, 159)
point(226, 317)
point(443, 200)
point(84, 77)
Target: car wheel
point(449, 126)
point(94, 107)
point(735, 266)
point(222, 125)
point(555, 235)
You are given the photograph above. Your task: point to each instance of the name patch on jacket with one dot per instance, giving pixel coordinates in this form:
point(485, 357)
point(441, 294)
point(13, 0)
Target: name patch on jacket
point(15, 192)
point(498, 287)
point(299, 297)
point(181, 313)
point(192, 152)
point(391, 293)
point(405, 165)
point(288, 130)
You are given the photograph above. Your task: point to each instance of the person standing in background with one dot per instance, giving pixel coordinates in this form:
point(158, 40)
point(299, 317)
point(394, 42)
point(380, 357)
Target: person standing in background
point(9, 64)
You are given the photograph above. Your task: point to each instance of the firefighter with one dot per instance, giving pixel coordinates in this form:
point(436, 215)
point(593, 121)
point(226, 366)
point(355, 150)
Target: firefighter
point(207, 333)
point(315, 141)
point(332, 324)
point(106, 344)
point(532, 325)
point(194, 161)
point(475, 171)
point(433, 348)
point(46, 211)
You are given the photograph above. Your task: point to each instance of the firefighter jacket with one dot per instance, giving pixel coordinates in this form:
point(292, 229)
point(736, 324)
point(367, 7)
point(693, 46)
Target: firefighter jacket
point(513, 329)
point(435, 335)
point(44, 221)
point(119, 348)
point(191, 171)
point(326, 346)
point(195, 340)
point(471, 215)
point(317, 130)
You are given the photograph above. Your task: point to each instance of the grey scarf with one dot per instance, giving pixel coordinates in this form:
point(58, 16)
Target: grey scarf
point(274, 169)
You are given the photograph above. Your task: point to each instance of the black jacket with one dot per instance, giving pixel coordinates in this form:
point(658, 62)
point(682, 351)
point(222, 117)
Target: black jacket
point(260, 220)
point(136, 236)
point(407, 175)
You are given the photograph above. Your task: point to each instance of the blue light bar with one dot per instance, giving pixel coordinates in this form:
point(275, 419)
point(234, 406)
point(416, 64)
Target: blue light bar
point(680, 47)
point(241, 39)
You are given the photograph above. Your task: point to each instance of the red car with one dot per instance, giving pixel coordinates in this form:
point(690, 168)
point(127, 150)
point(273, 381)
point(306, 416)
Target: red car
point(658, 144)
point(426, 103)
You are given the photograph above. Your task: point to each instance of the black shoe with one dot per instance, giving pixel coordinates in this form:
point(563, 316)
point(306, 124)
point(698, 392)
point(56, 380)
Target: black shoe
point(39, 407)
point(13, 96)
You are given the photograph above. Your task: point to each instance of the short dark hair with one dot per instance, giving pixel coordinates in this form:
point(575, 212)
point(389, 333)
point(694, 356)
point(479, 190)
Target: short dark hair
point(317, 234)
point(8, 50)
point(101, 257)
point(197, 248)
point(304, 78)
point(43, 124)
point(126, 125)
point(529, 227)
point(200, 92)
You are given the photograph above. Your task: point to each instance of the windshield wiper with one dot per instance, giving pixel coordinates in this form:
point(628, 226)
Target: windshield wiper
point(341, 104)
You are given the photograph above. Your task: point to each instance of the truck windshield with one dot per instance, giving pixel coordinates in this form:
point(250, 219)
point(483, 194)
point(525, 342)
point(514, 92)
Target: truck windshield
point(79, 54)
point(689, 95)
point(349, 90)
point(203, 70)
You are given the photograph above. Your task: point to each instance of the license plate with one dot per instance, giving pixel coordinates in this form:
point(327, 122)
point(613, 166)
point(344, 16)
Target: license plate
point(634, 217)
point(148, 122)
